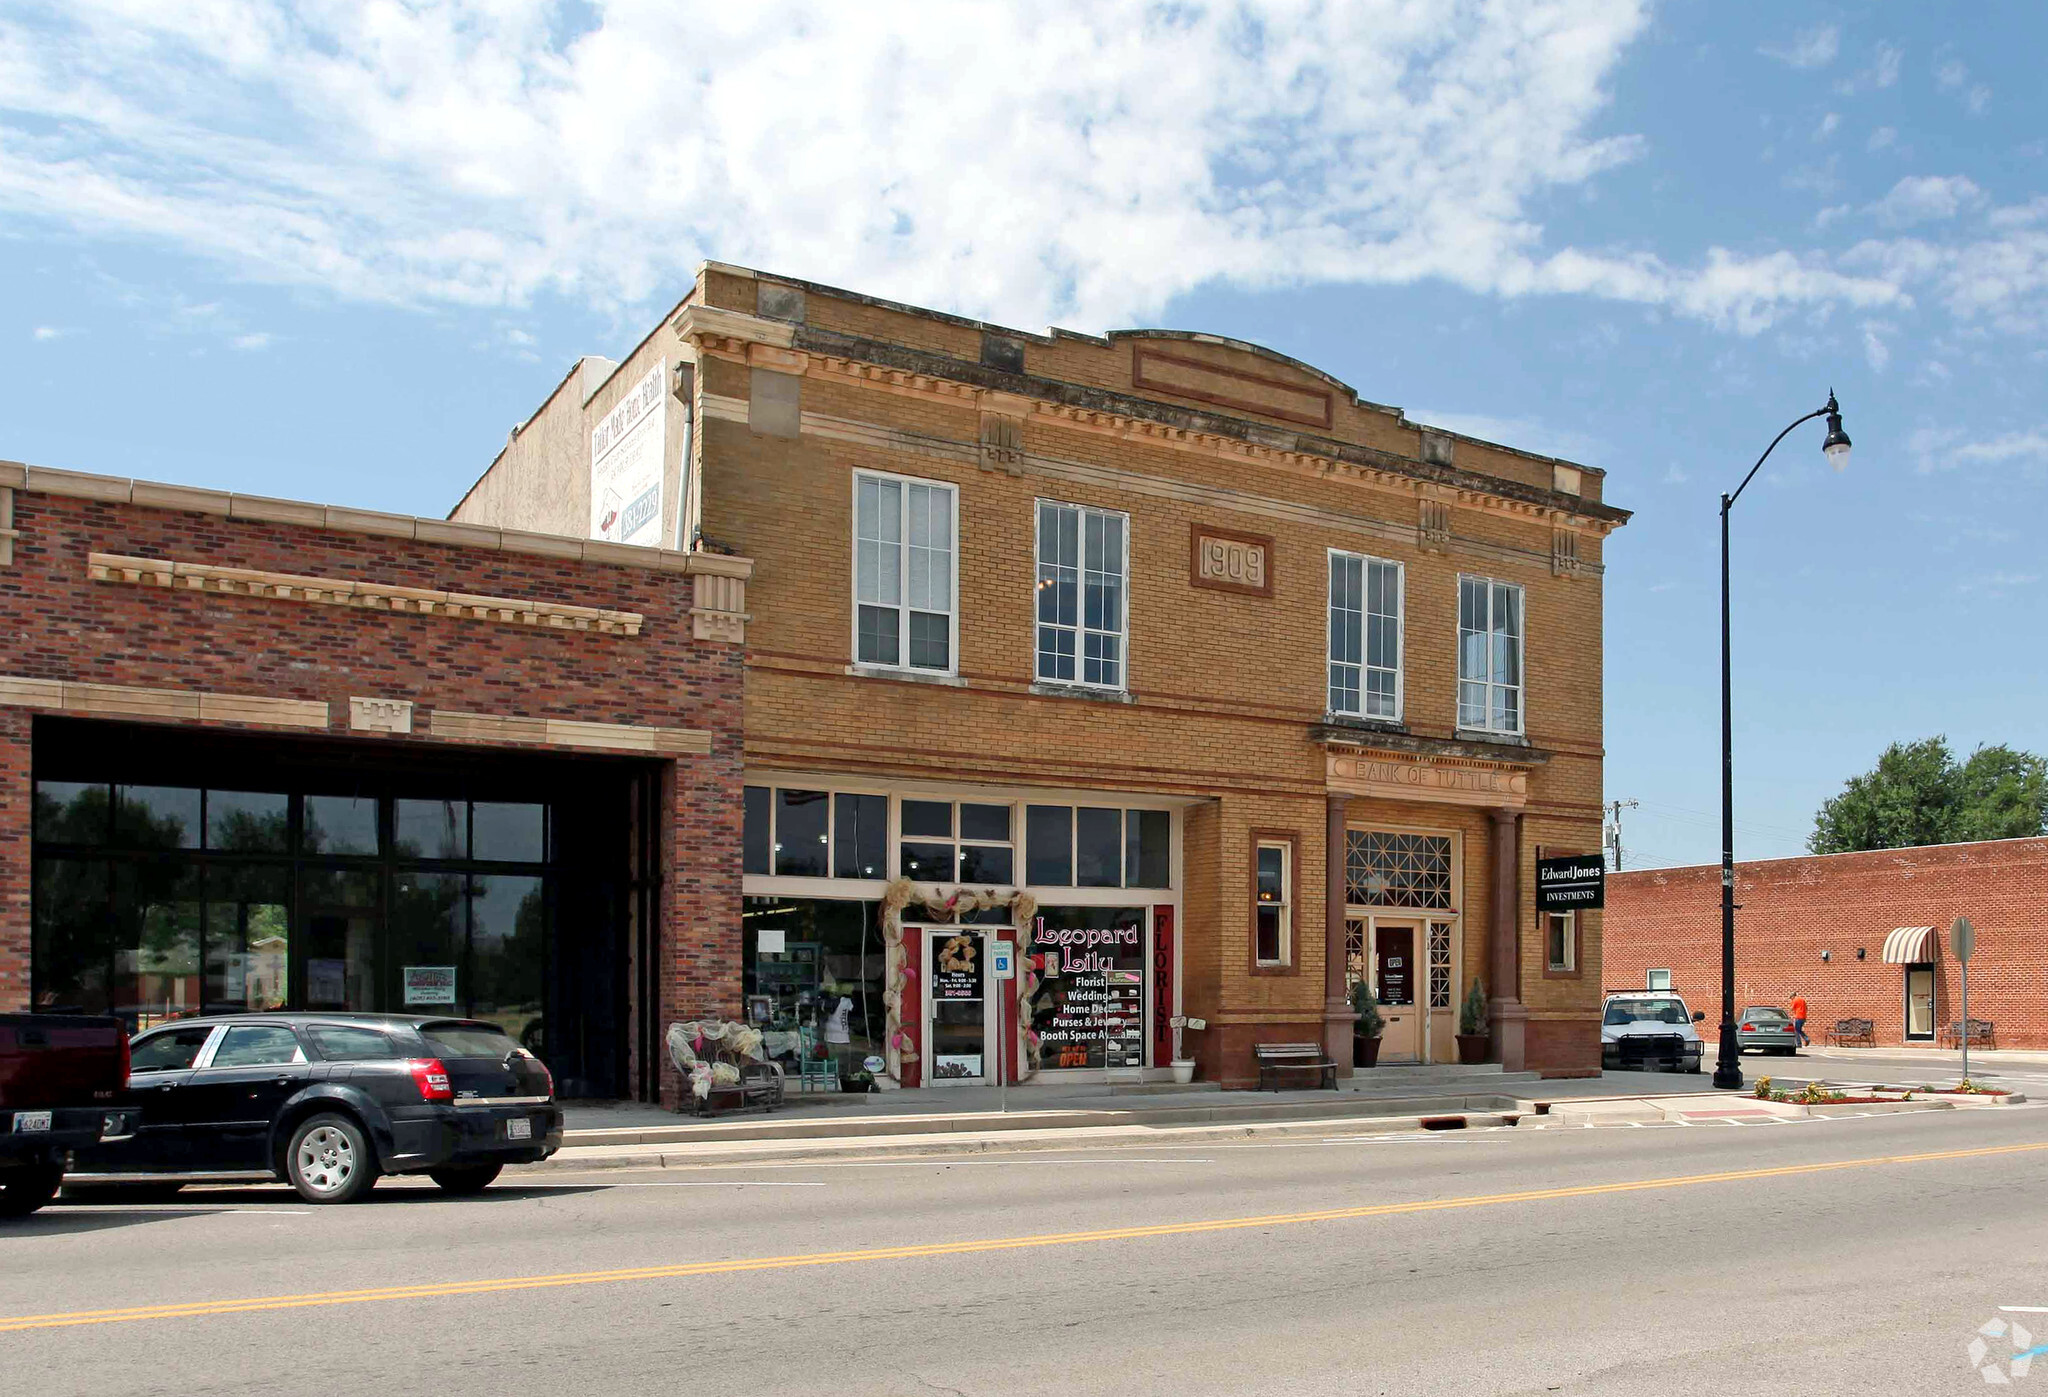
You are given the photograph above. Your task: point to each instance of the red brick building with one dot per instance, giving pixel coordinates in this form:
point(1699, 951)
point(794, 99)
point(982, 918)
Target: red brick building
point(261, 754)
point(1860, 935)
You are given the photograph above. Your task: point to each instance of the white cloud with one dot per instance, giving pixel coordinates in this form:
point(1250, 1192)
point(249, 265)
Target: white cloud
point(1675, 475)
point(1525, 433)
point(1947, 448)
point(45, 332)
point(1953, 75)
point(1875, 351)
point(1926, 198)
point(259, 339)
point(1883, 71)
point(1810, 48)
point(1882, 137)
point(1069, 161)
point(1828, 126)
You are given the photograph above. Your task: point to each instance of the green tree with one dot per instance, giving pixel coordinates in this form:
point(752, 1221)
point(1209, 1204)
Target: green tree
point(1919, 794)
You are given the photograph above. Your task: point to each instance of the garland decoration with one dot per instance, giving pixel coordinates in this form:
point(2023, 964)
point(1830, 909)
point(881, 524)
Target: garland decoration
point(898, 975)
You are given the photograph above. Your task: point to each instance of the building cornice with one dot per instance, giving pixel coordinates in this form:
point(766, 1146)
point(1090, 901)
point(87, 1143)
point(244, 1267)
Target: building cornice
point(803, 349)
point(15, 475)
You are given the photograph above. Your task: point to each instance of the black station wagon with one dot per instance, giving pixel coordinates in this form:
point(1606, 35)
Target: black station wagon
point(326, 1102)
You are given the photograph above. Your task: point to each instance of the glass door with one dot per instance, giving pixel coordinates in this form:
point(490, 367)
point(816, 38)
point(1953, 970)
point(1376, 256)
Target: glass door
point(1919, 1004)
point(961, 1032)
point(1393, 966)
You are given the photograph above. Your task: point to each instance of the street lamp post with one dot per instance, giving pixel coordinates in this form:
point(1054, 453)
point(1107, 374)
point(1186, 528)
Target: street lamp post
point(1728, 1064)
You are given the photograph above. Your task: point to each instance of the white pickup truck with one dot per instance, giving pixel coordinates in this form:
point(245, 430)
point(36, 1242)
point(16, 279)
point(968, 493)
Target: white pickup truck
point(1649, 1028)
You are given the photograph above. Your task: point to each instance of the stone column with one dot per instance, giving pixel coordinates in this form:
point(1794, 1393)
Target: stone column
point(1504, 959)
point(1338, 1015)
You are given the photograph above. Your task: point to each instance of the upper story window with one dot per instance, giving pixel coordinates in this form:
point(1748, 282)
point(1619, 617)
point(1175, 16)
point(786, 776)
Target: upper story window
point(1489, 655)
point(904, 566)
point(1083, 567)
point(1365, 636)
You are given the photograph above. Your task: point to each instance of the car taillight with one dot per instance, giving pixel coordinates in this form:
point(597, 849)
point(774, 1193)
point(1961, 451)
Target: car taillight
point(1749, 1028)
point(542, 1068)
point(431, 1077)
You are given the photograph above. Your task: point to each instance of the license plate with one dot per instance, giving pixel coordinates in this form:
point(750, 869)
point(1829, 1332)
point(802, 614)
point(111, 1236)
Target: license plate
point(521, 1129)
point(28, 1122)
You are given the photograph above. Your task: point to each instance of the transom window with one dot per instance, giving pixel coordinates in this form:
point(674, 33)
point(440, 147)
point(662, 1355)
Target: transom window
point(903, 573)
point(1365, 636)
point(1383, 868)
point(1090, 847)
point(1489, 655)
point(964, 843)
point(1083, 566)
point(815, 834)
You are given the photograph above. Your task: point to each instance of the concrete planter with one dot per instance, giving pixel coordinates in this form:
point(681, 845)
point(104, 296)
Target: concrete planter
point(1183, 1070)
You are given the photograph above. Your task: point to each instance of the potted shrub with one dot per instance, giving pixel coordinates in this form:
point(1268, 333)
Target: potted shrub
point(1472, 1031)
point(1365, 1034)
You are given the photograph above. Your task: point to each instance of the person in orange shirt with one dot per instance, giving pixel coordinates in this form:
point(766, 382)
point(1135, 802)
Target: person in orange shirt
point(1799, 1020)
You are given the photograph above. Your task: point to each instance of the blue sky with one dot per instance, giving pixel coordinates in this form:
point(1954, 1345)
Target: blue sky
point(336, 252)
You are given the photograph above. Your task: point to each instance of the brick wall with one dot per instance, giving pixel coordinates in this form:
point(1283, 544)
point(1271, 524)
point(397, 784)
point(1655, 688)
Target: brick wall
point(62, 626)
point(1791, 910)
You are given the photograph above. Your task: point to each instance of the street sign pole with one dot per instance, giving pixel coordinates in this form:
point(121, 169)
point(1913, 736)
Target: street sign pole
point(1962, 939)
point(1003, 967)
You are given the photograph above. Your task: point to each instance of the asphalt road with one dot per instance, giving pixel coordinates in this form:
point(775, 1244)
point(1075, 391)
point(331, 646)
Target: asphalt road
point(1839, 1256)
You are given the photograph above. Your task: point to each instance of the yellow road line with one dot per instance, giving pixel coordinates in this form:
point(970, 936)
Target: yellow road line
point(205, 1308)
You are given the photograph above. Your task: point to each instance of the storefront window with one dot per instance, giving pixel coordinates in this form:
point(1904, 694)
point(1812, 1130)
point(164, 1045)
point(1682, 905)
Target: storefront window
point(248, 822)
point(341, 825)
point(248, 939)
point(510, 833)
point(507, 953)
point(800, 834)
point(1092, 847)
point(427, 933)
point(74, 942)
point(860, 833)
point(430, 829)
point(1089, 1008)
point(813, 980)
point(156, 817)
point(759, 822)
point(71, 812)
point(157, 912)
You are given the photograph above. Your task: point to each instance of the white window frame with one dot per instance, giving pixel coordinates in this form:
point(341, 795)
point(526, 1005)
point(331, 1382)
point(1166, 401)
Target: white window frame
point(1491, 686)
point(1570, 962)
point(1286, 903)
point(1081, 629)
point(1658, 980)
point(1366, 563)
point(902, 606)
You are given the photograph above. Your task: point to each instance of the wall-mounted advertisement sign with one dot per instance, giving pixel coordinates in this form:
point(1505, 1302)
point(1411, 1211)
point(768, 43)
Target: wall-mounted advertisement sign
point(626, 463)
point(1571, 883)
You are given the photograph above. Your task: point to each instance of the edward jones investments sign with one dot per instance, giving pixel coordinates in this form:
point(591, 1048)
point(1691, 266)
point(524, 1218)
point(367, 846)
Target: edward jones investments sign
point(1569, 883)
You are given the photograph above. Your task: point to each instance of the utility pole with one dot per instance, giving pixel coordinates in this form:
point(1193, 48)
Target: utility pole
point(1614, 810)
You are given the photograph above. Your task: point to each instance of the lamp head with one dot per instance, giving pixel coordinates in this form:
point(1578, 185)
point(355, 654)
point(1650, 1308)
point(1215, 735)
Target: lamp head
point(1836, 447)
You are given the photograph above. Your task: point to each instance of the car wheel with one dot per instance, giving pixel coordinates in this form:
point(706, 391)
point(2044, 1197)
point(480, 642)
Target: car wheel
point(22, 1191)
point(329, 1160)
point(462, 1180)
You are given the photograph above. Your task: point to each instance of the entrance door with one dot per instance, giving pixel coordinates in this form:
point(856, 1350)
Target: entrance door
point(1394, 973)
point(962, 1034)
point(1920, 1004)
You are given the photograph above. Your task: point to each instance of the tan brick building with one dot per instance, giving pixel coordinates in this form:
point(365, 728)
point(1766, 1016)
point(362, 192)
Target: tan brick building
point(1216, 685)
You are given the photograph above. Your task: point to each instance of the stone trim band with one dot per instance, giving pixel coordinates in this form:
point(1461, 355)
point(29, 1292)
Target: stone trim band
point(373, 596)
point(562, 732)
point(127, 701)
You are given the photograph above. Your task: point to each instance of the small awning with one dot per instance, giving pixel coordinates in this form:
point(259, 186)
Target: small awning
point(1909, 945)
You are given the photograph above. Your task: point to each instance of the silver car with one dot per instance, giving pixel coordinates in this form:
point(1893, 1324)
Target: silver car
point(1767, 1030)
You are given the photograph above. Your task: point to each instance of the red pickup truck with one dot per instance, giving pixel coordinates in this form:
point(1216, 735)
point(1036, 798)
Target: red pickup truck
point(59, 1074)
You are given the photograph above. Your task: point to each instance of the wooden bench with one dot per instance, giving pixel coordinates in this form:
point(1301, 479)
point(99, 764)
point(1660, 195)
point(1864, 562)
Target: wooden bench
point(1853, 1033)
point(1276, 1058)
point(1980, 1031)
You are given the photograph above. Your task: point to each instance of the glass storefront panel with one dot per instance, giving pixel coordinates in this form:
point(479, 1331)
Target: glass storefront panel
point(340, 825)
point(1089, 1007)
point(156, 817)
point(430, 829)
point(860, 837)
point(248, 822)
point(248, 939)
point(72, 812)
point(507, 953)
point(507, 833)
point(800, 833)
point(158, 910)
point(812, 971)
point(428, 929)
point(73, 942)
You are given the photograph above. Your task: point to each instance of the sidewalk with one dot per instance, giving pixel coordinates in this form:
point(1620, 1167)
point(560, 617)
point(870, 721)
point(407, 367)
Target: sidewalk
point(1069, 1115)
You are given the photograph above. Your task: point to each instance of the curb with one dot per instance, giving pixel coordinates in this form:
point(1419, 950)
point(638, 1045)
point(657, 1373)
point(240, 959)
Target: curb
point(584, 1159)
point(762, 1131)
